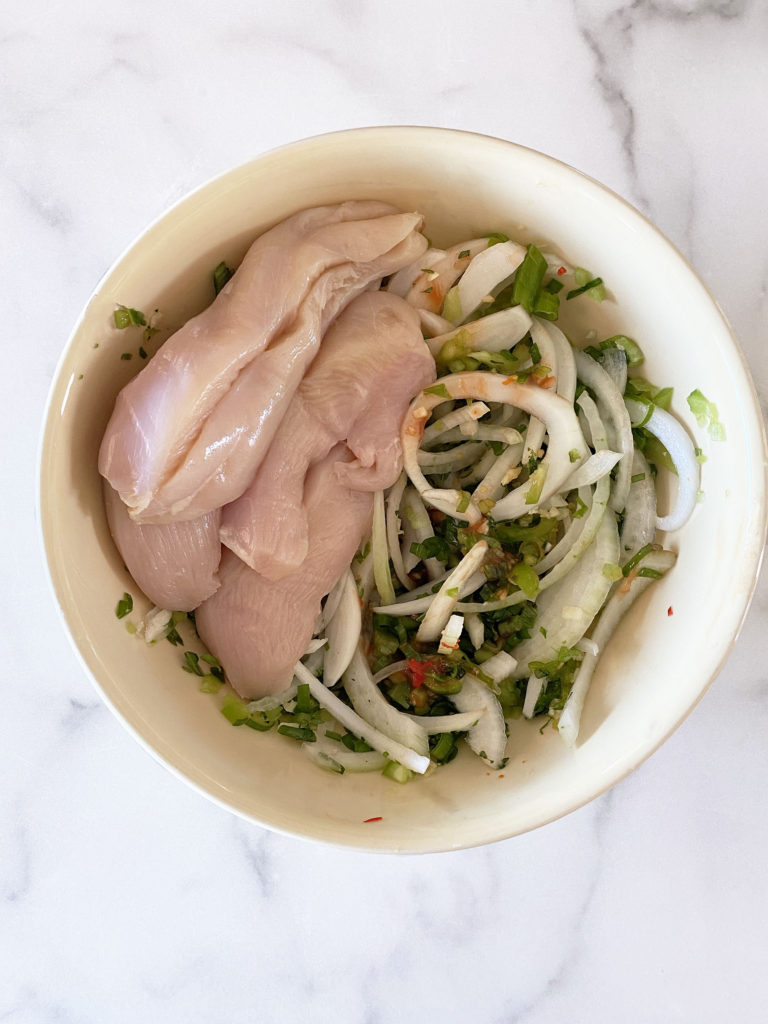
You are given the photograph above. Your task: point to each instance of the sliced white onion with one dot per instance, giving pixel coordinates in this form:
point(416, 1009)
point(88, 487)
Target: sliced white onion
point(565, 435)
point(432, 324)
point(357, 725)
point(675, 439)
point(415, 605)
point(429, 289)
point(486, 275)
point(156, 624)
point(434, 434)
point(533, 689)
point(566, 367)
point(475, 630)
point(619, 602)
point(639, 526)
point(343, 632)
point(488, 739)
point(316, 644)
point(380, 550)
point(492, 333)
point(610, 403)
point(417, 527)
point(589, 472)
point(369, 702)
point(403, 280)
point(451, 634)
point(389, 670)
point(444, 602)
point(499, 667)
point(394, 499)
point(460, 722)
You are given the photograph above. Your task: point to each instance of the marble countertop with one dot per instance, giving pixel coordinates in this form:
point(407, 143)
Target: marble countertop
point(125, 895)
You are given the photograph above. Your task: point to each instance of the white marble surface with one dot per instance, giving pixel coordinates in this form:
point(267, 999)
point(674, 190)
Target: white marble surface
point(125, 896)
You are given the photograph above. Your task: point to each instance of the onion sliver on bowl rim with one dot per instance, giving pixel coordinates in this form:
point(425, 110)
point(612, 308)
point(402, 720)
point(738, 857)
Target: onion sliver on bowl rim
point(656, 668)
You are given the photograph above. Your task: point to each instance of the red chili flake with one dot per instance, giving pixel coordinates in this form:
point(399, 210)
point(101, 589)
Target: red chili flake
point(420, 670)
point(669, 611)
point(561, 271)
point(378, 818)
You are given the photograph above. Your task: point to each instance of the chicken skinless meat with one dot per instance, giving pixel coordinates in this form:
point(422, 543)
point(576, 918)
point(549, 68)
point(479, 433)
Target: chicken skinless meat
point(357, 390)
point(259, 628)
point(175, 564)
point(188, 433)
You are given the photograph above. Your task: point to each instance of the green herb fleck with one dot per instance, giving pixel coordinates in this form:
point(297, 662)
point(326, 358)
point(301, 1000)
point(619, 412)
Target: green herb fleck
point(124, 606)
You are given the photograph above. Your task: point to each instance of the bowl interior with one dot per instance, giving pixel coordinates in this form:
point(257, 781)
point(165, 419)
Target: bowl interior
point(665, 653)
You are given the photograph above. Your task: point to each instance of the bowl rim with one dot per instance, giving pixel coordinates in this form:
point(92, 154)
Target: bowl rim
point(761, 481)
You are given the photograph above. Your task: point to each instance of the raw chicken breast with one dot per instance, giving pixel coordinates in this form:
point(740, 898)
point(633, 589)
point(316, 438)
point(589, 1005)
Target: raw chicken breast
point(257, 628)
point(371, 362)
point(175, 564)
point(202, 412)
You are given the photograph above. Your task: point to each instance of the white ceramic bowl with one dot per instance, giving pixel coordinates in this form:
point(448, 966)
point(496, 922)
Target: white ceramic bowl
point(665, 654)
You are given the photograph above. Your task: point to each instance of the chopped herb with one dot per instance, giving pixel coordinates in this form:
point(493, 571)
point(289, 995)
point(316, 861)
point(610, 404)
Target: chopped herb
point(637, 478)
point(221, 275)
point(526, 578)
point(612, 572)
point(438, 389)
point(191, 663)
point(210, 684)
point(535, 353)
point(126, 317)
point(528, 279)
point(496, 237)
point(432, 547)
point(594, 287)
point(553, 286)
point(463, 503)
point(701, 458)
point(706, 415)
point(452, 592)
point(574, 454)
point(464, 254)
point(142, 352)
point(124, 606)
point(127, 355)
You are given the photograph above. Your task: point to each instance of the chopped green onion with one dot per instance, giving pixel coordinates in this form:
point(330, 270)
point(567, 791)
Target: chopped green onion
point(464, 254)
point(210, 684)
point(612, 572)
point(125, 317)
point(124, 606)
point(127, 355)
point(191, 661)
point(397, 772)
point(528, 279)
point(546, 305)
point(706, 414)
point(452, 305)
point(463, 503)
point(553, 286)
point(496, 237)
point(701, 458)
point(221, 275)
point(527, 579)
point(636, 558)
point(305, 702)
point(649, 574)
point(634, 353)
point(445, 749)
point(297, 732)
point(537, 485)
point(594, 287)
point(574, 454)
